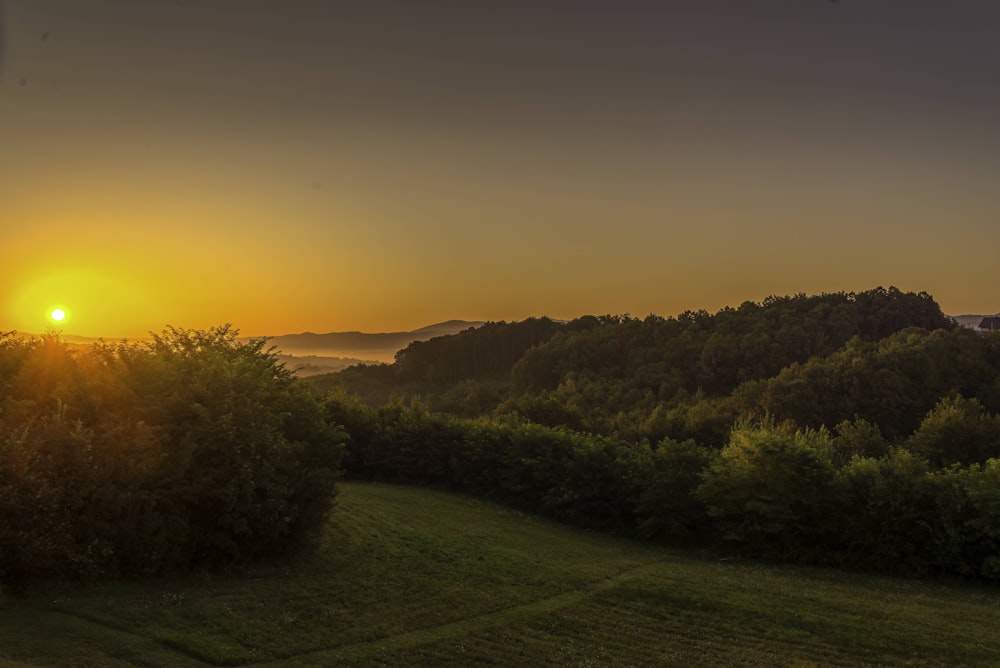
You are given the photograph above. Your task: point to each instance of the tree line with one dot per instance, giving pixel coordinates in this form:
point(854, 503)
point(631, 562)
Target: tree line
point(857, 430)
point(843, 497)
point(691, 375)
point(852, 429)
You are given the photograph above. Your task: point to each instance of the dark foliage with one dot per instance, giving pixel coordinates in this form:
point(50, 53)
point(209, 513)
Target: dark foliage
point(194, 451)
point(774, 491)
point(484, 351)
point(893, 382)
point(633, 378)
point(713, 430)
point(701, 429)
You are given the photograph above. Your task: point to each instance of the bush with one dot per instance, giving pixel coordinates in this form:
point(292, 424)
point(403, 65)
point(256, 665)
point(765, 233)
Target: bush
point(887, 513)
point(195, 450)
point(769, 492)
point(664, 503)
point(957, 431)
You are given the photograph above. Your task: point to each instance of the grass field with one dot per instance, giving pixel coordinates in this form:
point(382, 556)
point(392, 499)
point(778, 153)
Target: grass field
point(415, 577)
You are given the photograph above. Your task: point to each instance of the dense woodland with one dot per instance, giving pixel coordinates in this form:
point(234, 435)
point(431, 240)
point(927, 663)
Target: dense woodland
point(858, 430)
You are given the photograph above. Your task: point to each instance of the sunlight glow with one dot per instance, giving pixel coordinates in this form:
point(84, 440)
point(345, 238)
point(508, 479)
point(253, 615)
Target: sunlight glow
point(58, 314)
point(95, 301)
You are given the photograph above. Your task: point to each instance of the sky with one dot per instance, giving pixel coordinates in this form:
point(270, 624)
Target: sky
point(379, 165)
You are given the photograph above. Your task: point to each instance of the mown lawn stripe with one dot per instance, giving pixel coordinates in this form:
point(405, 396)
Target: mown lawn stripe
point(409, 576)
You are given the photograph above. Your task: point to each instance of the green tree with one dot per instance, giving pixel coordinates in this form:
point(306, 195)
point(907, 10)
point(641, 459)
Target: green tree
point(887, 513)
point(664, 502)
point(768, 492)
point(858, 438)
point(957, 431)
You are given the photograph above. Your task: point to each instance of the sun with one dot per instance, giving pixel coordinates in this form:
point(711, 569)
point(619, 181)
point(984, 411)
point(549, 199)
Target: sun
point(58, 314)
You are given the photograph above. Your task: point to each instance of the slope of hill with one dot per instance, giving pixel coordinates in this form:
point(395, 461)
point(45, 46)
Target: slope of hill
point(313, 365)
point(409, 576)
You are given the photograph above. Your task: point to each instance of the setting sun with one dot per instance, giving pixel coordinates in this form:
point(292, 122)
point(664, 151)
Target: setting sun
point(58, 314)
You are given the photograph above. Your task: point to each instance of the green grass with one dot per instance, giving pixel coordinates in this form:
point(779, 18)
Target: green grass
point(415, 577)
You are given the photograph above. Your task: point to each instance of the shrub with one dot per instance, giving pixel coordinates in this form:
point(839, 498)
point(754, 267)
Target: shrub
point(769, 492)
point(194, 450)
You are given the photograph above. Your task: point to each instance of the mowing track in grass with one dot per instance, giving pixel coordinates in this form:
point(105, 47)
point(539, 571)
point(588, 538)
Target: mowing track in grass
point(409, 576)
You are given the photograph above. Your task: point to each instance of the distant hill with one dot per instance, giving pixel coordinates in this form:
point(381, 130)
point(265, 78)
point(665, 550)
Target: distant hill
point(310, 354)
point(380, 347)
point(313, 365)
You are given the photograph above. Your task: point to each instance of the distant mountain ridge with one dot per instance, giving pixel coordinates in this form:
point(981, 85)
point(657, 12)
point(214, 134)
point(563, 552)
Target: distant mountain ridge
point(331, 351)
point(374, 346)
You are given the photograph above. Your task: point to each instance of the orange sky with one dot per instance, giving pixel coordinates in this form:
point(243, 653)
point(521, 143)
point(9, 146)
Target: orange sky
point(380, 166)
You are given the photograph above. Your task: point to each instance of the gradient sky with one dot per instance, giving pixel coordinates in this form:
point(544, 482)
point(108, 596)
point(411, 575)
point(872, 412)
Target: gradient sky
point(381, 165)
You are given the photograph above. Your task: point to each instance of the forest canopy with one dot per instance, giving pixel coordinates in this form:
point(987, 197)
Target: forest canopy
point(858, 430)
